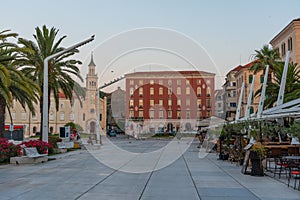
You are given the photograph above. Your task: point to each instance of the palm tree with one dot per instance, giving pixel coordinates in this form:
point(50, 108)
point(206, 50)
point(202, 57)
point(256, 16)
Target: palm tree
point(263, 57)
point(62, 70)
point(13, 83)
point(292, 87)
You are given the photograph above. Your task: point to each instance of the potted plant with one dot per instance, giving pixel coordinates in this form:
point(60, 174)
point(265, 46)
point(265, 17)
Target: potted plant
point(257, 154)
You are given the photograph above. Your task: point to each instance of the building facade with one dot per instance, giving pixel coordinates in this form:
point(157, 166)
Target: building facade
point(247, 76)
point(116, 110)
point(219, 104)
point(84, 113)
point(168, 101)
point(288, 39)
point(230, 95)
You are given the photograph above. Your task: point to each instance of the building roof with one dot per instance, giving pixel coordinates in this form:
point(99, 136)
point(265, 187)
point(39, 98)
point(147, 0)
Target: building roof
point(92, 61)
point(170, 73)
point(284, 29)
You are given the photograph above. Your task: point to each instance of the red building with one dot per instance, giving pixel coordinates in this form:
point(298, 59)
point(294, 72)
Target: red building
point(168, 100)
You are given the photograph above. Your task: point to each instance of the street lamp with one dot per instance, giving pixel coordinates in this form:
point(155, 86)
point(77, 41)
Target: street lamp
point(45, 82)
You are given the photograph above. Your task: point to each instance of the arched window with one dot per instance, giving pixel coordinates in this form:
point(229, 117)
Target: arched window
point(208, 92)
point(290, 44)
point(198, 91)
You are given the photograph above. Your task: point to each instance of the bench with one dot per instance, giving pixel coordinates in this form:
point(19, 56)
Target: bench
point(32, 157)
point(31, 152)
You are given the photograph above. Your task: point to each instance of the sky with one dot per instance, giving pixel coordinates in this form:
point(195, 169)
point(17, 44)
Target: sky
point(227, 32)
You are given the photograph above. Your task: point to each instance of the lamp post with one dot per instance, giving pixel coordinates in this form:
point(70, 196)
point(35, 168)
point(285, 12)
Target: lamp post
point(45, 82)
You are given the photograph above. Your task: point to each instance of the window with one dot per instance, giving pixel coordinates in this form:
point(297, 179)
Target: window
point(169, 91)
point(250, 78)
point(140, 82)
point(151, 102)
point(261, 78)
point(83, 117)
point(92, 110)
point(178, 90)
point(169, 102)
point(199, 82)
point(178, 114)
point(62, 116)
point(208, 82)
point(233, 84)
point(161, 114)
point(188, 114)
point(141, 103)
point(208, 92)
point(251, 110)
point(151, 82)
point(178, 82)
point(151, 91)
point(141, 91)
point(141, 113)
point(51, 116)
point(131, 103)
point(208, 113)
point(219, 105)
point(160, 82)
point(161, 91)
point(169, 82)
point(131, 82)
point(62, 105)
point(290, 44)
point(203, 86)
point(232, 104)
point(208, 103)
point(198, 91)
point(233, 93)
point(71, 116)
point(23, 116)
point(187, 90)
point(188, 102)
point(131, 90)
point(151, 114)
point(178, 102)
point(131, 113)
point(169, 113)
point(199, 102)
point(160, 102)
point(34, 117)
point(187, 82)
point(283, 49)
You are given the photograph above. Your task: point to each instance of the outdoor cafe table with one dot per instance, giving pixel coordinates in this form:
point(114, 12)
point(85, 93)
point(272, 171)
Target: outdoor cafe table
point(279, 149)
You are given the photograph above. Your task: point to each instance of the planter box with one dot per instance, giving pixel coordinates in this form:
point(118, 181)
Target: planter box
point(27, 160)
point(257, 167)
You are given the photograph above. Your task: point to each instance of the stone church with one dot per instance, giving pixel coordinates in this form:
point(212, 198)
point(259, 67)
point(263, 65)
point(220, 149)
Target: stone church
point(85, 115)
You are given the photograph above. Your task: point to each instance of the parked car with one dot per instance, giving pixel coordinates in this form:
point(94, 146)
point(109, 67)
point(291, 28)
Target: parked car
point(112, 133)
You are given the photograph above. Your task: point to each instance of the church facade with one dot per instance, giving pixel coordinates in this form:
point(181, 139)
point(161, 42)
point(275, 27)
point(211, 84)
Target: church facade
point(84, 114)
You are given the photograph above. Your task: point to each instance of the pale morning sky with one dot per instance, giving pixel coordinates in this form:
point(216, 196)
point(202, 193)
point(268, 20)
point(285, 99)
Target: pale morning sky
point(228, 31)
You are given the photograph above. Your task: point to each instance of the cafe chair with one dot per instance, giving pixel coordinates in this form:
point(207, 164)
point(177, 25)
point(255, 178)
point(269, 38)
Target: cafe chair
point(281, 166)
point(294, 172)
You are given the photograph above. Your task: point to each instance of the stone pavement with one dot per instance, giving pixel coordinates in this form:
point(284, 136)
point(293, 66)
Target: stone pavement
point(78, 175)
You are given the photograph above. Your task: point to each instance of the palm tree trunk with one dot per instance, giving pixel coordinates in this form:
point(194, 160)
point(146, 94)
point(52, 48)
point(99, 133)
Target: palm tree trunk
point(2, 116)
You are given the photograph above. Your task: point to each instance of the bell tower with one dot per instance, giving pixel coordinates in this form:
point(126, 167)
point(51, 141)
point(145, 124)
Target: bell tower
point(90, 103)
